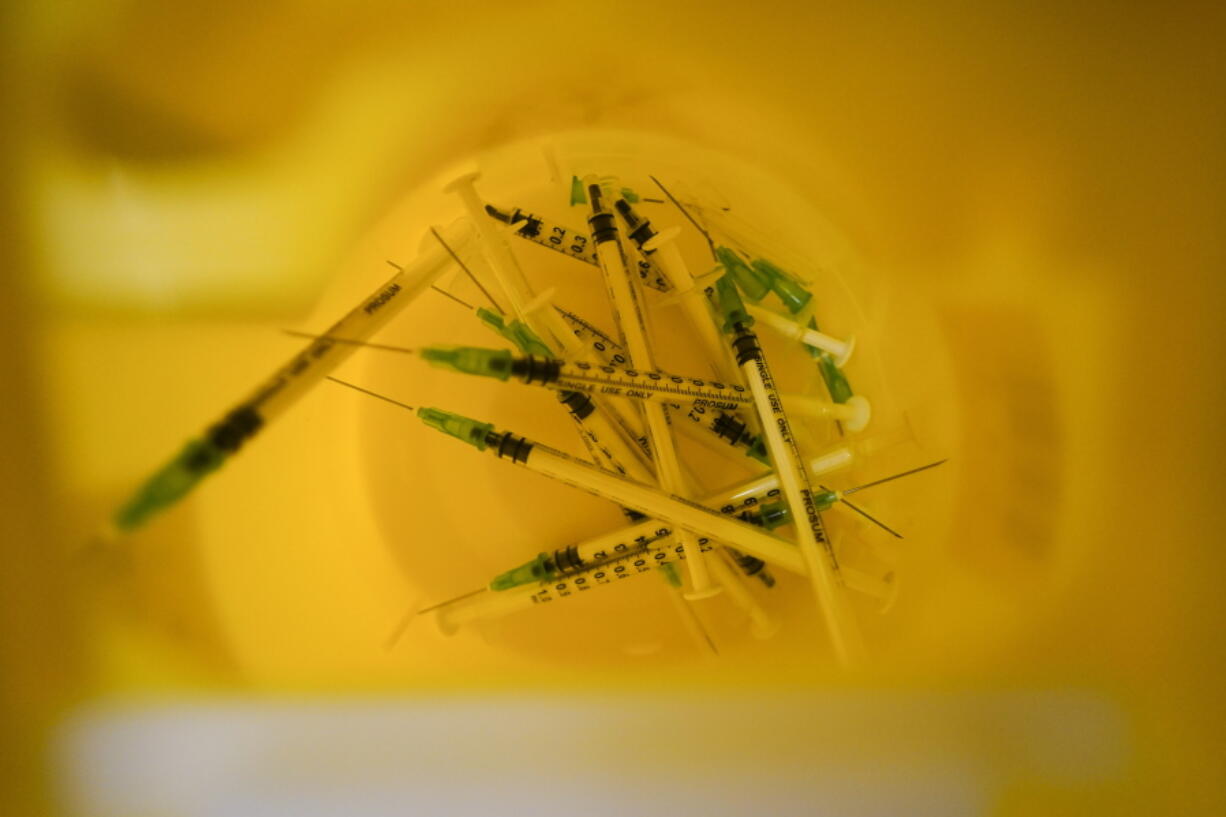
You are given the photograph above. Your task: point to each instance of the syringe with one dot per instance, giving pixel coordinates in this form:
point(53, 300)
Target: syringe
point(628, 317)
point(781, 443)
point(205, 454)
point(815, 546)
point(672, 390)
point(658, 387)
point(581, 556)
point(648, 500)
point(762, 507)
point(640, 559)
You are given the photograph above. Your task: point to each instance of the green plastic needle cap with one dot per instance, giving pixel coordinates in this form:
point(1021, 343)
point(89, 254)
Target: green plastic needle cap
point(517, 332)
point(822, 500)
point(577, 194)
point(670, 574)
point(470, 360)
point(754, 284)
point(789, 290)
point(730, 303)
point(758, 452)
point(491, 319)
point(774, 514)
point(836, 382)
point(196, 461)
point(462, 428)
point(536, 570)
point(526, 340)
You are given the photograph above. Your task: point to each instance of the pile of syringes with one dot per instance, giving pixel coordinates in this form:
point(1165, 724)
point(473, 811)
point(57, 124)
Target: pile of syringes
point(625, 410)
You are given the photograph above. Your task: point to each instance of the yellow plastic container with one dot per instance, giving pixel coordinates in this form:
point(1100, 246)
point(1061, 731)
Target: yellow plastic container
point(1026, 254)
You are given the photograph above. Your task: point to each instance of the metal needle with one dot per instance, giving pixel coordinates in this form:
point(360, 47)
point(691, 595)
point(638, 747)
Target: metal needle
point(686, 213)
point(894, 477)
point(451, 601)
point(371, 393)
point(404, 622)
point(869, 517)
point(469, 272)
point(404, 349)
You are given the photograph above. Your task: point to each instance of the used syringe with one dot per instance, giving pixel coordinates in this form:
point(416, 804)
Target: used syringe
point(781, 443)
point(628, 317)
point(639, 558)
point(643, 498)
point(762, 507)
point(657, 387)
point(815, 545)
point(652, 386)
point(205, 454)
